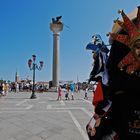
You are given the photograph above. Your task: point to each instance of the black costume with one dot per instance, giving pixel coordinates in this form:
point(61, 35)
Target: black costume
point(124, 87)
point(124, 81)
point(125, 96)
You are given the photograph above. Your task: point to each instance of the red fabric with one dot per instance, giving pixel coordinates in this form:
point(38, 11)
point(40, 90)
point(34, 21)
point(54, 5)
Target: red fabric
point(98, 95)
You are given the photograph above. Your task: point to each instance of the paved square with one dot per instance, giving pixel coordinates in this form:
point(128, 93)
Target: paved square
point(44, 118)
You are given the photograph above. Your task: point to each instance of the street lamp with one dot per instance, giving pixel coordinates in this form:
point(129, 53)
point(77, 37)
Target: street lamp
point(33, 66)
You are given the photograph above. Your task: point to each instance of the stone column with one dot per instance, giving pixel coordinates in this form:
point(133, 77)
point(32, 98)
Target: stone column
point(56, 28)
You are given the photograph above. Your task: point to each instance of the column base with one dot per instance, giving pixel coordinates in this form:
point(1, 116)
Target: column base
point(53, 89)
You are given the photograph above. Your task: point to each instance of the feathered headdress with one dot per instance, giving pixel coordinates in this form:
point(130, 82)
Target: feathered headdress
point(130, 61)
point(97, 45)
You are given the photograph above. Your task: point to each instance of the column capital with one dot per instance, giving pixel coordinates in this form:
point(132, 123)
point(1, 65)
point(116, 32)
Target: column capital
point(56, 27)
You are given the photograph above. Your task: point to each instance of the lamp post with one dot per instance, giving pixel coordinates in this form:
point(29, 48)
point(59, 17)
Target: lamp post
point(33, 66)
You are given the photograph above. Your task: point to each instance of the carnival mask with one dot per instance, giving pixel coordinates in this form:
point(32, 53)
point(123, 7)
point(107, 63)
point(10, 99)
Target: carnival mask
point(132, 60)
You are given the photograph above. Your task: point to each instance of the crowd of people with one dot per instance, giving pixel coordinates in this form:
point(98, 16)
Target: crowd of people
point(16, 87)
point(70, 89)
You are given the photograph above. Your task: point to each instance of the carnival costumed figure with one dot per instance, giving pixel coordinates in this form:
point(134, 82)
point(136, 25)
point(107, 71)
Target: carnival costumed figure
point(102, 129)
point(124, 75)
point(99, 72)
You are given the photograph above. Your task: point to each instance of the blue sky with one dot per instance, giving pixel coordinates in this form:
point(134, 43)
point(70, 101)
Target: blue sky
point(24, 31)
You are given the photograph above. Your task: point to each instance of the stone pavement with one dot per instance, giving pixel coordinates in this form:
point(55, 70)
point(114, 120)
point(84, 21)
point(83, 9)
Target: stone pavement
point(44, 118)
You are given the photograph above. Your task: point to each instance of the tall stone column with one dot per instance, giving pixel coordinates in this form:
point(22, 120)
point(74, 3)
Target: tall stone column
point(56, 27)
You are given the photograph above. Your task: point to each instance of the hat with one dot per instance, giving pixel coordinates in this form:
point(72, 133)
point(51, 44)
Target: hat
point(130, 61)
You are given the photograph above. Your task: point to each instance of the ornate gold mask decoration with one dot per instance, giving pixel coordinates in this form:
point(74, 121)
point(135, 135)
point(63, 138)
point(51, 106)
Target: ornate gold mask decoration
point(132, 60)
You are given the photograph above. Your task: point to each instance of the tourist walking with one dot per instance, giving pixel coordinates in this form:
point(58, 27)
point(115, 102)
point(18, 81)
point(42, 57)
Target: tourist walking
point(17, 87)
point(86, 94)
point(1, 89)
point(72, 88)
point(67, 93)
point(59, 93)
point(5, 89)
